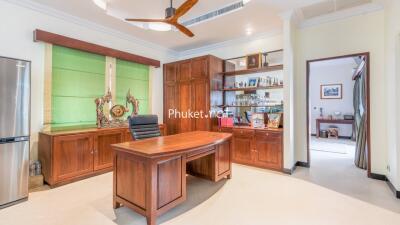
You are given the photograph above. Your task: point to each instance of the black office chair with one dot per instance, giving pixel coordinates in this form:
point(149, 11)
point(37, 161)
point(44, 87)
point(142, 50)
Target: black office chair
point(144, 126)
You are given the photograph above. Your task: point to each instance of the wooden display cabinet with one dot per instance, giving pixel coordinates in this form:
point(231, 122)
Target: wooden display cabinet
point(68, 156)
point(257, 147)
point(192, 85)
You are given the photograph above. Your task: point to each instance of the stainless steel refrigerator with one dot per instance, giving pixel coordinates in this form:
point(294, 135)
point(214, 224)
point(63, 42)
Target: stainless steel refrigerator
point(14, 130)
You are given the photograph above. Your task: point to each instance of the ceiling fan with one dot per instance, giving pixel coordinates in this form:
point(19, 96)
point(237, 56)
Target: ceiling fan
point(171, 17)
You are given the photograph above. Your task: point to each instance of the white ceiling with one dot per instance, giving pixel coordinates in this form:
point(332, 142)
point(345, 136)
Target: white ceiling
point(261, 16)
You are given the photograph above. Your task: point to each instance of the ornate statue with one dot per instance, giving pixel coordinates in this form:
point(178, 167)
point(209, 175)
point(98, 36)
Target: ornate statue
point(102, 120)
point(135, 103)
point(117, 112)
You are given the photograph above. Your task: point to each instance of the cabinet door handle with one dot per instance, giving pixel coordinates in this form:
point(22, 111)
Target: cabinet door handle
point(267, 134)
point(92, 152)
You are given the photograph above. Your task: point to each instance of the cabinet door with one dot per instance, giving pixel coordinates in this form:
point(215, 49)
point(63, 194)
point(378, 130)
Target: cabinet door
point(184, 70)
point(171, 105)
point(201, 104)
point(242, 146)
point(103, 153)
point(73, 156)
point(200, 68)
point(268, 146)
point(170, 72)
point(185, 107)
point(171, 96)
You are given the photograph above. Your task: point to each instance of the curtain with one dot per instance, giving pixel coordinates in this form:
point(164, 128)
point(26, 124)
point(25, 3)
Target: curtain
point(360, 120)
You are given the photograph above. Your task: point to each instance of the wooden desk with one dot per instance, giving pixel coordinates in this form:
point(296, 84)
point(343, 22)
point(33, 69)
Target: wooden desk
point(334, 121)
point(150, 175)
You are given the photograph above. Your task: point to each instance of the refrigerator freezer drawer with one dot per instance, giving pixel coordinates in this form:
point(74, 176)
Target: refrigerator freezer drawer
point(14, 172)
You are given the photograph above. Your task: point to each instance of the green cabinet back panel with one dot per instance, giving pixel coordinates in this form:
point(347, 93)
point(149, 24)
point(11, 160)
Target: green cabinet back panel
point(135, 77)
point(78, 78)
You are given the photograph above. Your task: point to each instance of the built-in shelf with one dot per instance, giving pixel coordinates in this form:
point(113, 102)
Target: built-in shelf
point(256, 70)
point(253, 89)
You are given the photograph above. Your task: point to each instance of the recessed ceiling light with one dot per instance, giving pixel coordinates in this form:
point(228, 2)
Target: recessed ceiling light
point(159, 26)
point(246, 1)
point(249, 31)
point(101, 4)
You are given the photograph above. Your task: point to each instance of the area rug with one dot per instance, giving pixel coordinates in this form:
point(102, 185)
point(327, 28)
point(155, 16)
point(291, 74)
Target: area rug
point(342, 146)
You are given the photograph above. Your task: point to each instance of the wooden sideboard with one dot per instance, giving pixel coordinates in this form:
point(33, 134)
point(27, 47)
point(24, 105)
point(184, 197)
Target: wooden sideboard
point(150, 174)
point(193, 84)
point(72, 155)
point(256, 147)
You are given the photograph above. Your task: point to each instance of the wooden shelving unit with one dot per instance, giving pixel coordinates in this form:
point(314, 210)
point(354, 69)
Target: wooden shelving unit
point(247, 106)
point(253, 89)
point(250, 71)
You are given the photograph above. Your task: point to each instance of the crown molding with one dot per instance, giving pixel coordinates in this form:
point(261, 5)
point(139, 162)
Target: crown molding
point(343, 14)
point(237, 41)
point(88, 24)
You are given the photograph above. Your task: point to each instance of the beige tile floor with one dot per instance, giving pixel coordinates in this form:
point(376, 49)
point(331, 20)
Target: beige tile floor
point(252, 197)
point(337, 172)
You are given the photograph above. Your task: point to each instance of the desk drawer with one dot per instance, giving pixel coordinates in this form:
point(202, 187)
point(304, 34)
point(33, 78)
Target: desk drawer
point(199, 153)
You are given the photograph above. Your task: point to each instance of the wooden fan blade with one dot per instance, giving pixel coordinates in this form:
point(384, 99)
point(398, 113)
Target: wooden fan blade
point(183, 29)
point(147, 20)
point(184, 8)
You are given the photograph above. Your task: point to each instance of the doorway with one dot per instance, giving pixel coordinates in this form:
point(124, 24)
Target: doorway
point(331, 128)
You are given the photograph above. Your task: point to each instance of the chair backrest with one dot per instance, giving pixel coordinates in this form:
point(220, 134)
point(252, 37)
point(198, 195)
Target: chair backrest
point(144, 126)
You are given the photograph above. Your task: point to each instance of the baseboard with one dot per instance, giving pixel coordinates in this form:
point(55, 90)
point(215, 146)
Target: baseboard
point(290, 171)
point(298, 163)
point(378, 176)
point(395, 191)
point(303, 164)
point(384, 178)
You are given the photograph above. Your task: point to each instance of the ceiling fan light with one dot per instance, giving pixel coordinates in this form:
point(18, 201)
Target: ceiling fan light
point(245, 2)
point(159, 26)
point(101, 4)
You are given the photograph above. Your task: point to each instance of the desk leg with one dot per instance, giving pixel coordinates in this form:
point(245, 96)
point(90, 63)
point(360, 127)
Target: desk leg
point(317, 129)
point(116, 204)
point(151, 192)
point(151, 219)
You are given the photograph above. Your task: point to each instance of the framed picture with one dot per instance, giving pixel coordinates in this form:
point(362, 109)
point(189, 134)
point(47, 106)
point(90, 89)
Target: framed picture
point(258, 120)
point(253, 82)
point(274, 120)
point(253, 61)
point(331, 91)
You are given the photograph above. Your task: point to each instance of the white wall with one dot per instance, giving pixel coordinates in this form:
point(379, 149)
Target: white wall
point(232, 49)
point(358, 34)
point(16, 41)
point(392, 72)
point(329, 72)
